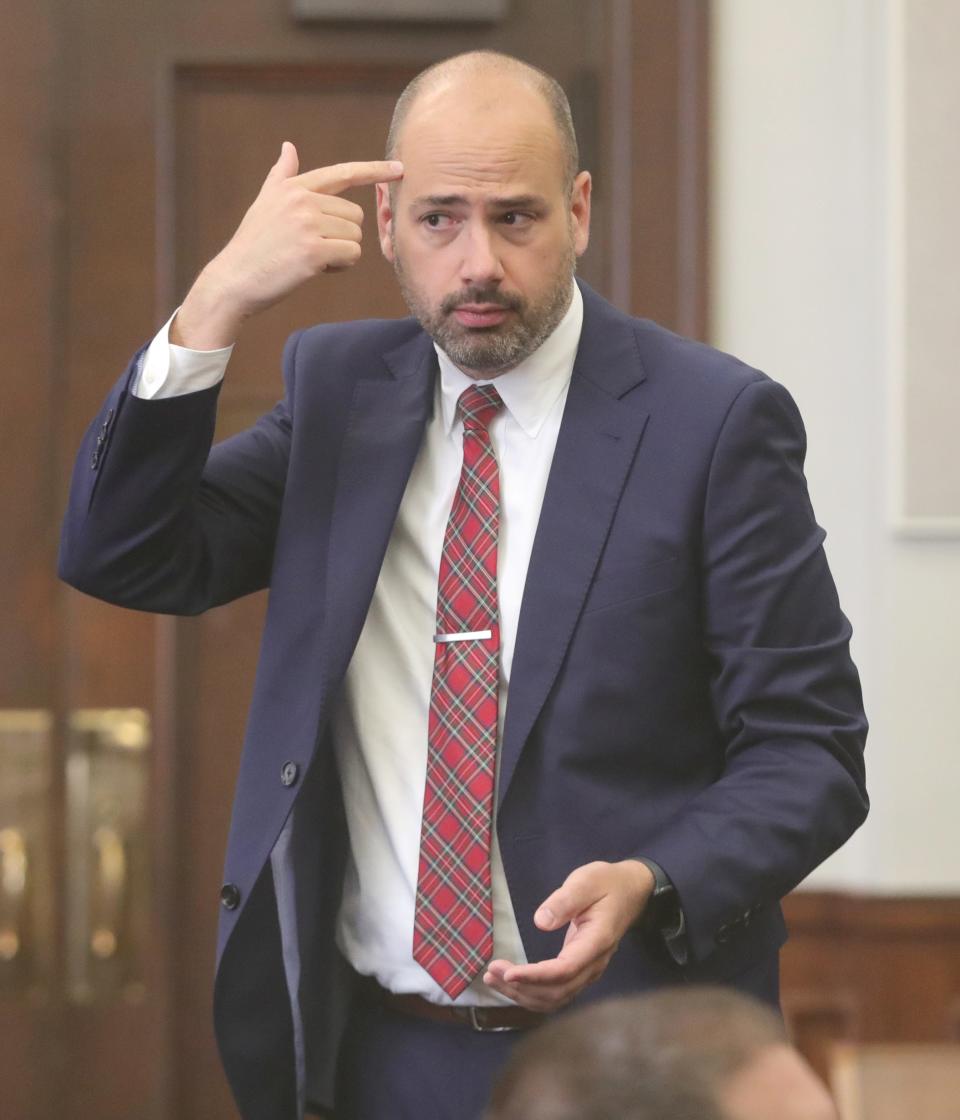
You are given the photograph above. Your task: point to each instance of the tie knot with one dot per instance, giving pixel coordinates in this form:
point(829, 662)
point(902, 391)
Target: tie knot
point(478, 404)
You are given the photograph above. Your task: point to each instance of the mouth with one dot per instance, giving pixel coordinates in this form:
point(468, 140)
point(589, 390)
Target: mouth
point(480, 314)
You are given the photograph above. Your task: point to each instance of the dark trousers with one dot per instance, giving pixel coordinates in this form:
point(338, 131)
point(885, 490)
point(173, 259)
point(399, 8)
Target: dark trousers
point(395, 1067)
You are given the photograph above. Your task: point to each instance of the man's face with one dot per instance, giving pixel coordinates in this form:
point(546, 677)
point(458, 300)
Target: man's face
point(483, 230)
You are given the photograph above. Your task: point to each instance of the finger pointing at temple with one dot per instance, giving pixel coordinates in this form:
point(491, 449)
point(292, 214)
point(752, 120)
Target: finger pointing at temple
point(296, 228)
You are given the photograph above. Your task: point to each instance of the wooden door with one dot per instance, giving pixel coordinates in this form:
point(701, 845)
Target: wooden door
point(135, 135)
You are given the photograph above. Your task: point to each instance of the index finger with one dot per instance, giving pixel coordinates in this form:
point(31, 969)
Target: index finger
point(341, 176)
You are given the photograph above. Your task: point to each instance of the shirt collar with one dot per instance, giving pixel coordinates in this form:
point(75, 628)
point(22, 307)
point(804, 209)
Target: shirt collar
point(529, 390)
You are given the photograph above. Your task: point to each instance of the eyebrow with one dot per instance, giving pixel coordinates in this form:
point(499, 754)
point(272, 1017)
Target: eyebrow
point(513, 202)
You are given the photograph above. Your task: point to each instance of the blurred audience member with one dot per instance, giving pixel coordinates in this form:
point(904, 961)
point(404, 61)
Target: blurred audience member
point(691, 1054)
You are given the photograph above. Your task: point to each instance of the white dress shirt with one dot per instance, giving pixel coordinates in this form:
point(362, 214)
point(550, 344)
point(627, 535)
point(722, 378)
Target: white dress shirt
point(380, 722)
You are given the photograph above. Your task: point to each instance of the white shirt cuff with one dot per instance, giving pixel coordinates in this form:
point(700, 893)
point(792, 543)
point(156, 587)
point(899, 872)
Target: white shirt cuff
point(171, 371)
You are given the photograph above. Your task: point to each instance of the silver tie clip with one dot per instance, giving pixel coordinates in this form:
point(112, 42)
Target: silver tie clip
point(464, 637)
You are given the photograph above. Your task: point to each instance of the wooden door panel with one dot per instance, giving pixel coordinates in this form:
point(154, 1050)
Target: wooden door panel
point(113, 1055)
point(29, 632)
point(333, 114)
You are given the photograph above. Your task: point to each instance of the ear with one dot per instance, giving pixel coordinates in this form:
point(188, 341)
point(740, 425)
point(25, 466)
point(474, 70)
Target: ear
point(580, 211)
point(385, 220)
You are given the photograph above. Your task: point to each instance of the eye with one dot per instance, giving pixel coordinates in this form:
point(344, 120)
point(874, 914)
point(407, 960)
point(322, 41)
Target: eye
point(437, 221)
point(516, 219)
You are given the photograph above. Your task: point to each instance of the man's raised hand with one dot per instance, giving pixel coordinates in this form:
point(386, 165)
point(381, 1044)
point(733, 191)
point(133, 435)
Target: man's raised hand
point(296, 228)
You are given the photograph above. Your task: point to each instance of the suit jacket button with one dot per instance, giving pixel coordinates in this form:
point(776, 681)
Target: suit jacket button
point(289, 773)
point(230, 896)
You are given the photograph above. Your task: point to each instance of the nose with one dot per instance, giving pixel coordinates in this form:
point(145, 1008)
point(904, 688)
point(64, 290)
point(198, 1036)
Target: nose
point(481, 263)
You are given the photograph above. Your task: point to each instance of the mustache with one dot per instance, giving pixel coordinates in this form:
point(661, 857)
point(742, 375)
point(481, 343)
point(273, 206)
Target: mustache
point(481, 295)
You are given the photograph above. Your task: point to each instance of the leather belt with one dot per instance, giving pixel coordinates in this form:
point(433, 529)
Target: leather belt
point(476, 1018)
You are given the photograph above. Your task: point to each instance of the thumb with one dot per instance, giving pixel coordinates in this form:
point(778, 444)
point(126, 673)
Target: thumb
point(287, 164)
point(579, 891)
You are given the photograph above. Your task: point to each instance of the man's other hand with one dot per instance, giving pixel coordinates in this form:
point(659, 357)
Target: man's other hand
point(296, 228)
point(600, 901)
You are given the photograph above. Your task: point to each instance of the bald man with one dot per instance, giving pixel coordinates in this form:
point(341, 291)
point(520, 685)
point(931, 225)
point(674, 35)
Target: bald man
point(696, 1054)
point(554, 698)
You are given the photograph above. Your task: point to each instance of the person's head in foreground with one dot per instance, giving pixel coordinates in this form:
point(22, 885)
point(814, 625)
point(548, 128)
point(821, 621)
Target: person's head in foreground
point(682, 1054)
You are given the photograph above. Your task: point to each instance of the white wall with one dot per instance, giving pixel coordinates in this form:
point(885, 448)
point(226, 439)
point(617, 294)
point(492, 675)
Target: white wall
point(809, 282)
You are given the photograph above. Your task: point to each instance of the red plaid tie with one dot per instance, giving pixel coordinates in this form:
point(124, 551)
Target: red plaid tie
point(453, 922)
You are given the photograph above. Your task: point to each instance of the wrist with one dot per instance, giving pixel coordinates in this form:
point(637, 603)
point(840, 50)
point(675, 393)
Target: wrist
point(210, 317)
point(642, 884)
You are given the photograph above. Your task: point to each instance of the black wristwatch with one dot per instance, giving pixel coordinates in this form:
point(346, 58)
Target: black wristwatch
point(663, 916)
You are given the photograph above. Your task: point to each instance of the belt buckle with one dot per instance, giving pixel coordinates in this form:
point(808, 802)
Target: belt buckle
point(476, 1025)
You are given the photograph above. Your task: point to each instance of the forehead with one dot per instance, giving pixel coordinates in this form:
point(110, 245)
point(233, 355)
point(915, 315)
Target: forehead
point(481, 137)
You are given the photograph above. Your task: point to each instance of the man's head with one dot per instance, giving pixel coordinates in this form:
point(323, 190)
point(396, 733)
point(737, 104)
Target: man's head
point(485, 227)
point(693, 1054)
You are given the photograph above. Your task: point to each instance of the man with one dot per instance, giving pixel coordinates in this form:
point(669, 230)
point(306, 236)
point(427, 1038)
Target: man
point(699, 1054)
point(554, 698)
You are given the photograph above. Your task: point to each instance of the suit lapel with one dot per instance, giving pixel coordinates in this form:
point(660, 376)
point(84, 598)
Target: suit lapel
point(384, 431)
point(596, 446)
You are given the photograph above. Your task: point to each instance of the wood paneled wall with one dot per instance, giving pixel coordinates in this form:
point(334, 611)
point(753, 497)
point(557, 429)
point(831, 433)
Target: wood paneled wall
point(861, 968)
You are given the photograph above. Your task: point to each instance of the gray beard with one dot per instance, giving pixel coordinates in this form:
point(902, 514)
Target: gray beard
point(491, 350)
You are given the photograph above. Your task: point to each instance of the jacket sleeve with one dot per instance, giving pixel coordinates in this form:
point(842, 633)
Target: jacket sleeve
point(158, 520)
point(785, 693)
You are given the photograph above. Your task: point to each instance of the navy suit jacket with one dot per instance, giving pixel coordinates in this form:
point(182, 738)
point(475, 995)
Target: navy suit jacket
point(681, 687)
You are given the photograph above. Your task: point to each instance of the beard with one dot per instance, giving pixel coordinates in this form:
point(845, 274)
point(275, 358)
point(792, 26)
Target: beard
point(498, 348)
